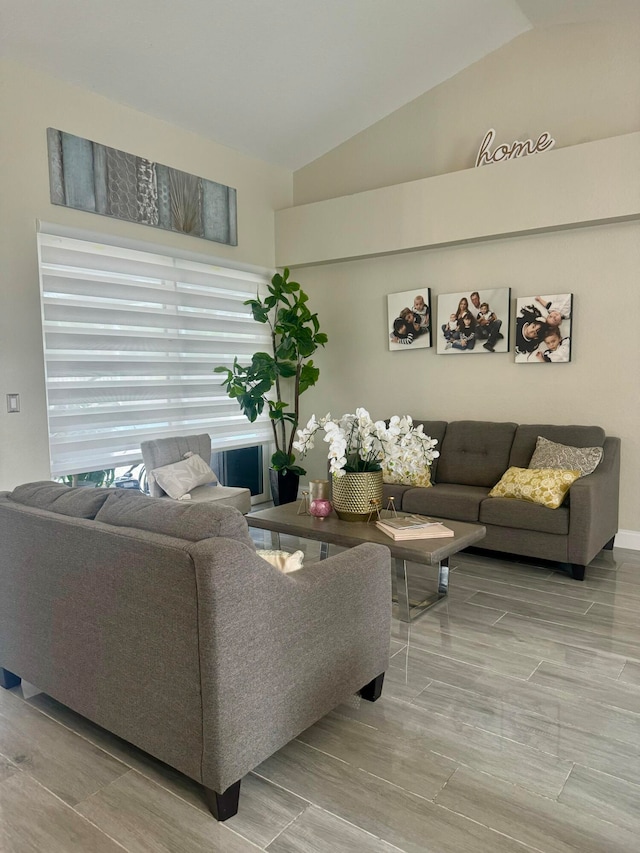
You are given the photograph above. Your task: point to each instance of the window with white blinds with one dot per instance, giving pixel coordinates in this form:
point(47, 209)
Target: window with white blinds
point(131, 339)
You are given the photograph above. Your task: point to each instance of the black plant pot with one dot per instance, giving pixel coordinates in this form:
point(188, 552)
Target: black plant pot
point(284, 487)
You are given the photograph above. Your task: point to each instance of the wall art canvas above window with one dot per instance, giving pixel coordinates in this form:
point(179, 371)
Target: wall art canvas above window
point(543, 328)
point(88, 176)
point(409, 319)
point(473, 321)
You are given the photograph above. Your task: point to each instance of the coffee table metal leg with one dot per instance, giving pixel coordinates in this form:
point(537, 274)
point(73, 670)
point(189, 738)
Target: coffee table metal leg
point(443, 578)
point(407, 611)
point(324, 550)
point(275, 541)
point(402, 590)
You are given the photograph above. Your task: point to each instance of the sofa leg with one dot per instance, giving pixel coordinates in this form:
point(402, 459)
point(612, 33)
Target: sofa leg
point(373, 690)
point(8, 679)
point(609, 545)
point(225, 805)
point(577, 572)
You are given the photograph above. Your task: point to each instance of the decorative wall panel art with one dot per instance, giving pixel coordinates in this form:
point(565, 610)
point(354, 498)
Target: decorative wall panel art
point(409, 319)
point(88, 176)
point(543, 328)
point(476, 321)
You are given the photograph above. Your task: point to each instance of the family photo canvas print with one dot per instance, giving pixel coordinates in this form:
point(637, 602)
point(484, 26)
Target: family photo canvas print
point(543, 328)
point(409, 319)
point(473, 321)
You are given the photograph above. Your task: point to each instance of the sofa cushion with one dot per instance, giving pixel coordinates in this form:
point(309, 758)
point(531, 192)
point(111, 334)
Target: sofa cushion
point(182, 519)
point(546, 486)
point(475, 453)
point(523, 515)
point(446, 500)
point(550, 454)
point(524, 442)
point(77, 502)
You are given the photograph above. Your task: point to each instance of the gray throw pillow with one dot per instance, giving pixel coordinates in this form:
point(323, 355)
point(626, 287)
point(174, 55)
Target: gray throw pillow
point(550, 454)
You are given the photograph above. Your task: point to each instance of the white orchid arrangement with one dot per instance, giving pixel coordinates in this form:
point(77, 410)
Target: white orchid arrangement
point(357, 443)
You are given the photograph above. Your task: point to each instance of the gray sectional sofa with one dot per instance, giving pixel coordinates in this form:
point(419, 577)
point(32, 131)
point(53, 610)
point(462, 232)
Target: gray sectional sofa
point(475, 455)
point(157, 620)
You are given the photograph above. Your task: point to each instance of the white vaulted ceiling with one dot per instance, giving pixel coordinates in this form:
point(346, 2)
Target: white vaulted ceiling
point(281, 80)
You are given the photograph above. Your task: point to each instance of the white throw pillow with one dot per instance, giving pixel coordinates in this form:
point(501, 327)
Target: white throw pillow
point(179, 478)
point(283, 560)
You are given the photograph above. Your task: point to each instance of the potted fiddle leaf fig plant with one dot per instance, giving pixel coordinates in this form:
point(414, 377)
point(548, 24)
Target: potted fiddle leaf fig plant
point(275, 380)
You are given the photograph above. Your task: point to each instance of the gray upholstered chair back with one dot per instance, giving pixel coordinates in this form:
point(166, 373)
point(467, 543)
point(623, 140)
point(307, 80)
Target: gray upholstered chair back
point(165, 451)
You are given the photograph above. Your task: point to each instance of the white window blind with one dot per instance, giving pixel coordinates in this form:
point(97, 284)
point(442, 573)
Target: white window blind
point(131, 339)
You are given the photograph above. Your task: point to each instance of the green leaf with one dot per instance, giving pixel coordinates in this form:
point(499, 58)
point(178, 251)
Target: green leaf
point(287, 350)
point(286, 368)
point(308, 376)
point(263, 387)
point(251, 406)
point(285, 463)
point(259, 314)
point(263, 362)
point(296, 469)
point(306, 348)
point(280, 460)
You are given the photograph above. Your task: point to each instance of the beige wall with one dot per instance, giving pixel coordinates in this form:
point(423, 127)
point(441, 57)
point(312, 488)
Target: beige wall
point(29, 103)
point(593, 183)
point(578, 82)
point(600, 385)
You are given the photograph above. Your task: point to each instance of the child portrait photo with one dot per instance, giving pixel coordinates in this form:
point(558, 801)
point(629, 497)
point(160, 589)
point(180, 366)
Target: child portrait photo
point(473, 321)
point(409, 319)
point(543, 328)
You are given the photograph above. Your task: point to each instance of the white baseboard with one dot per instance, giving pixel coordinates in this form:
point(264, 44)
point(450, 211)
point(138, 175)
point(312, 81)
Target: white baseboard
point(628, 539)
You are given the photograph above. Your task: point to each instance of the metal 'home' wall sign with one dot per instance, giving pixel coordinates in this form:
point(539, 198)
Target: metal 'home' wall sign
point(88, 176)
point(510, 152)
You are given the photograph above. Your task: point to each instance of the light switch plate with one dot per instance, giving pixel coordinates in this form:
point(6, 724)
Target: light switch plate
point(13, 403)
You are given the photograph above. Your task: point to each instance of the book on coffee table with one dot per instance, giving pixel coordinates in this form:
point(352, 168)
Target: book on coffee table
point(426, 530)
point(407, 522)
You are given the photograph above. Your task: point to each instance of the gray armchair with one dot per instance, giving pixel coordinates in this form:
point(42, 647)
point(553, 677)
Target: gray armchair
point(165, 451)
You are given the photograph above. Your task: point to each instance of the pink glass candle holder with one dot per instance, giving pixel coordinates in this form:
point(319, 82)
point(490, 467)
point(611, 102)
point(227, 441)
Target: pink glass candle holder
point(320, 508)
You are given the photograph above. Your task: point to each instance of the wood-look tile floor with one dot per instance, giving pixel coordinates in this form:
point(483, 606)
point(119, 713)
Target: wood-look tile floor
point(509, 721)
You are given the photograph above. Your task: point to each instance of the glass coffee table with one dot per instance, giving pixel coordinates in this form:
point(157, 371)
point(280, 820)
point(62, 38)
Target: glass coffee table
point(332, 531)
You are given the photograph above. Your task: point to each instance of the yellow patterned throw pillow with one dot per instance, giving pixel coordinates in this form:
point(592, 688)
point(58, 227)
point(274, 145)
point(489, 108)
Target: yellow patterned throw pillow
point(402, 475)
point(545, 486)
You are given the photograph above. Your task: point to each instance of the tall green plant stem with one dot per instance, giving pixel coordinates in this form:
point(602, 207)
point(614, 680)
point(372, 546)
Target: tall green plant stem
point(296, 411)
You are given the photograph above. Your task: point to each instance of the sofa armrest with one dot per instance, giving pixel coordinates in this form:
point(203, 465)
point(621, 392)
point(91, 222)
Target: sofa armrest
point(278, 651)
point(593, 514)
